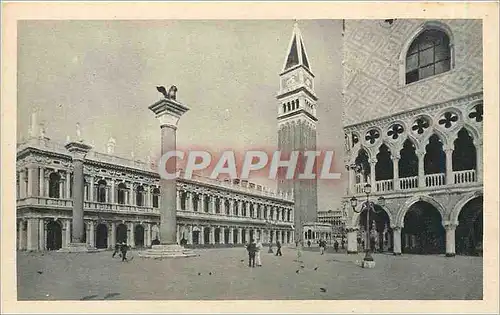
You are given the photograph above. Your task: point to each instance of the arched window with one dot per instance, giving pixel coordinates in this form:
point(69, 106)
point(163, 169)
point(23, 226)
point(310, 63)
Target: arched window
point(429, 54)
point(156, 196)
point(54, 182)
point(101, 191)
point(139, 194)
point(122, 192)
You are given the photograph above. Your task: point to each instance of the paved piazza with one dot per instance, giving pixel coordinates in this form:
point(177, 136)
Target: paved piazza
point(97, 276)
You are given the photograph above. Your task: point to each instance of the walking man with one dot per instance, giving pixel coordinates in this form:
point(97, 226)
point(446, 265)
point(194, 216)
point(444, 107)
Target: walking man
point(278, 249)
point(251, 248)
point(124, 249)
point(336, 246)
point(322, 245)
point(117, 250)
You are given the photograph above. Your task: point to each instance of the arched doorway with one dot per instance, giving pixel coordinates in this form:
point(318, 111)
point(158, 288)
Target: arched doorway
point(101, 190)
point(235, 236)
point(196, 235)
point(244, 236)
point(226, 236)
point(139, 196)
point(380, 231)
point(206, 235)
point(122, 193)
point(252, 235)
point(54, 235)
point(423, 232)
point(469, 232)
point(101, 236)
point(217, 236)
point(363, 175)
point(139, 236)
point(121, 233)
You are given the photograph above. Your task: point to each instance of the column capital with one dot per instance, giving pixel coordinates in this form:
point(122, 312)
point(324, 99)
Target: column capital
point(373, 161)
point(396, 228)
point(396, 157)
point(448, 225)
point(168, 112)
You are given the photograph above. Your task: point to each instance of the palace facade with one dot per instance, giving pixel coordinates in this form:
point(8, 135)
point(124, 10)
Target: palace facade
point(413, 122)
point(121, 203)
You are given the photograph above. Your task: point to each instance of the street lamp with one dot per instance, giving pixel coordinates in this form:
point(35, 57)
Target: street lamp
point(368, 206)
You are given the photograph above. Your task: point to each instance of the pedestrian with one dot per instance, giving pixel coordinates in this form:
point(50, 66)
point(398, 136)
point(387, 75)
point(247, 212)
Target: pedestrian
point(251, 249)
point(258, 248)
point(156, 241)
point(322, 245)
point(299, 250)
point(336, 246)
point(117, 250)
point(278, 249)
point(124, 249)
point(309, 243)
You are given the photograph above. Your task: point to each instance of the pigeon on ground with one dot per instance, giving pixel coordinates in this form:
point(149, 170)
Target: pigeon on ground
point(297, 271)
point(242, 260)
point(302, 267)
point(210, 273)
point(322, 289)
point(40, 272)
point(199, 273)
point(316, 268)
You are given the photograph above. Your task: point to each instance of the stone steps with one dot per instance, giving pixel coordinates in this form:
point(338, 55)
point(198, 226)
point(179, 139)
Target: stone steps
point(167, 251)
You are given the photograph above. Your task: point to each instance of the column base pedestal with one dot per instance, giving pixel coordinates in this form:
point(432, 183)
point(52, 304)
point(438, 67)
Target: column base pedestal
point(450, 254)
point(352, 252)
point(77, 248)
point(396, 254)
point(167, 251)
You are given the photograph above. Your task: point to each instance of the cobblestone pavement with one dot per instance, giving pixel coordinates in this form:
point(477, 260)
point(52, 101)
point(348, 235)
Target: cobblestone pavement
point(224, 274)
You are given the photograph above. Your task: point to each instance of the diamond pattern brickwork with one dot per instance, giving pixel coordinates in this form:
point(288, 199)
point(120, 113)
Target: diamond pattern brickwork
point(372, 68)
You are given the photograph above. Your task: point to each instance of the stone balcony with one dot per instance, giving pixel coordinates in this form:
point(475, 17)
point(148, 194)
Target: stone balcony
point(460, 179)
point(89, 206)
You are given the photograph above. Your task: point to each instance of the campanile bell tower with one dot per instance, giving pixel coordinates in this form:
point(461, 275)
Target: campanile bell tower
point(297, 126)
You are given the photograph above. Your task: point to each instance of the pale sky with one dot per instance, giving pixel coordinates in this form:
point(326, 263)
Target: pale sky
point(103, 74)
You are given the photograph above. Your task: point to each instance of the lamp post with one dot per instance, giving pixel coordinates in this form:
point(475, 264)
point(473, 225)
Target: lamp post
point(369, 206)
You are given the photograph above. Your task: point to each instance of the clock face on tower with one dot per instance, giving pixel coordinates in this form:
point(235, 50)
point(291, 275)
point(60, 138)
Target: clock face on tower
point(291, 82)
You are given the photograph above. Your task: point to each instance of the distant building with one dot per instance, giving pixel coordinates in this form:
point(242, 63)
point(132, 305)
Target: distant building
point(413, 123)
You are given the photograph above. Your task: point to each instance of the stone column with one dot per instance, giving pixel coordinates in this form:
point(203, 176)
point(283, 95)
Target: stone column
point(31, 235)
point(41, 235)
point(41, 182)
point(61, 186)
point(78, 150)
point(231, 206)
point(450, 239)
point(92, 233)
point(178, 200)
point(221, 235)
point(395, 167)
point(239, 207)
point(131, 194)
point(212, 235)
point(202, 235)
point(449, 166)
point(231, 235)
point(112, 191)
point(168, 112)
point(22, 184)
point(350, 180)
point(147, 235)
point(373, 181)
point(396, 231)
point(132, 235)
point(247, 209)
point(421, 170)
point(113, 234)
point(20, 238)
point(91, 187)
point(68, 183)
point(352, 242)
point(190, 235)
point(240, 237)
point(479, 161)
point(212, 204)
point(178, 234)
point(189, 206)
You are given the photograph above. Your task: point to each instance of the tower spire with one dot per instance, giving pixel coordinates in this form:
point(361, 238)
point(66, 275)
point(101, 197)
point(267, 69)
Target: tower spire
point(297, 55)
